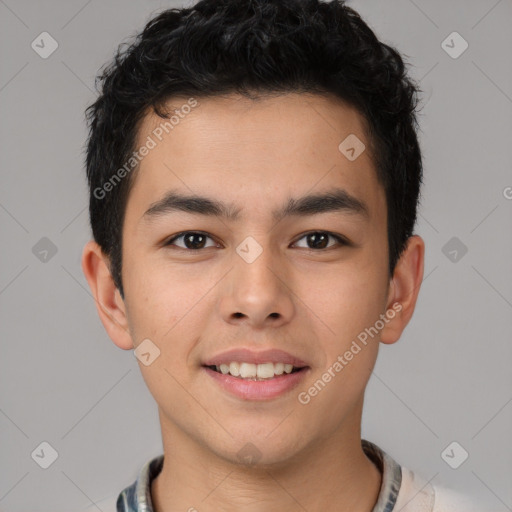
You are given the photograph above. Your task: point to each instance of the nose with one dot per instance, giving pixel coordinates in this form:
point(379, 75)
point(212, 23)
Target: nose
point(257, 293)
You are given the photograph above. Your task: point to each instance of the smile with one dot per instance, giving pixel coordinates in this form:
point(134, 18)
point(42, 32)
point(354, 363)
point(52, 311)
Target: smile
point(252, 371)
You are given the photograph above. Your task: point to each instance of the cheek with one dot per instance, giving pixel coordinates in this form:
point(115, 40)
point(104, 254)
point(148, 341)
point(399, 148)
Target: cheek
point(345, 300)
point(160, 296)
point(167, 311)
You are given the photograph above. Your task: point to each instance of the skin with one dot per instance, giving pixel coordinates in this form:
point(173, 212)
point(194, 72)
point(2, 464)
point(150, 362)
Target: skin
point(309, 302)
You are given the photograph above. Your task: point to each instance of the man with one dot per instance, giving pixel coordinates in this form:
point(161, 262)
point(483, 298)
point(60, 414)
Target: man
point(254, 173)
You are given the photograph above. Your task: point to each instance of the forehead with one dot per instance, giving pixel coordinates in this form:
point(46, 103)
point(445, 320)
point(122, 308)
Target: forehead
point(297, 118)
point(237, 147)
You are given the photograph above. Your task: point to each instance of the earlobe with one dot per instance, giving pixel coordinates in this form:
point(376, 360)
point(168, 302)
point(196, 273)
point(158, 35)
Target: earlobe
point(404, 289)
point(109, 304)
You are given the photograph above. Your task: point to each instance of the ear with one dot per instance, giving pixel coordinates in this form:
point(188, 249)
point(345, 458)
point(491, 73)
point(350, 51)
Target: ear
point(404, 288)
point(110, 305)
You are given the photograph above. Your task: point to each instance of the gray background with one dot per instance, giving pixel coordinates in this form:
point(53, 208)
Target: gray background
point(64, 382)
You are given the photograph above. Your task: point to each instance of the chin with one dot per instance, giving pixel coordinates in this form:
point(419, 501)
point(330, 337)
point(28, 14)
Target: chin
point(254, 450)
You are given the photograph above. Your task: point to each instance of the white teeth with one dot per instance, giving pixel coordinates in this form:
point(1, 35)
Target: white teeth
point(247, 370)
point(254, 371)
point(265, 371)
point(234, 369)
point(279, 368)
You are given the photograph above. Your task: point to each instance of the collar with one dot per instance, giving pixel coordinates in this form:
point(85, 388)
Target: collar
point(137, 497)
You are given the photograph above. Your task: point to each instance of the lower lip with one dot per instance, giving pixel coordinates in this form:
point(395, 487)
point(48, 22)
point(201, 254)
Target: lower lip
point(257, 389)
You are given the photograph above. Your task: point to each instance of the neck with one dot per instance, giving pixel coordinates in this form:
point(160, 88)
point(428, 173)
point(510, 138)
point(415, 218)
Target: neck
point(334, 474)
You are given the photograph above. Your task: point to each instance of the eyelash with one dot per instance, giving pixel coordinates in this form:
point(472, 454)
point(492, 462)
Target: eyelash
point(339, 239)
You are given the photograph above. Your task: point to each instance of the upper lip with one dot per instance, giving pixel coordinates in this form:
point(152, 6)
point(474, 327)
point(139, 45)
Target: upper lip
point(244, 355)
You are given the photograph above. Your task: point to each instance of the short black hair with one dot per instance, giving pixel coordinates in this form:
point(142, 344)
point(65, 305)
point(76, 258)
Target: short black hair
point(254, 48)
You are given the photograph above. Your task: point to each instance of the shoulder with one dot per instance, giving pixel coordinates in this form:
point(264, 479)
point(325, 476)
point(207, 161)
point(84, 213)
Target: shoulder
point(136, 496)
point(419, 495)
point(448, 500)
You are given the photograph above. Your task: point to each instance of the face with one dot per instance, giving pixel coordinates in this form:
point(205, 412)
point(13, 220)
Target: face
point(260, 271)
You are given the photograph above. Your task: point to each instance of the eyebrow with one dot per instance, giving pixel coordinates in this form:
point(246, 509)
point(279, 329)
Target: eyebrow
point(336, 200)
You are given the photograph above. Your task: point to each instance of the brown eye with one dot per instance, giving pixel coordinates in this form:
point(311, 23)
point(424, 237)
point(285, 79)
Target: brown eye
point(192, 240)
point(320, 240)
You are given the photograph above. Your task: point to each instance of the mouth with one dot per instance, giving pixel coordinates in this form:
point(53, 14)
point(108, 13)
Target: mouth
point(255, 372)
point(253, 375)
